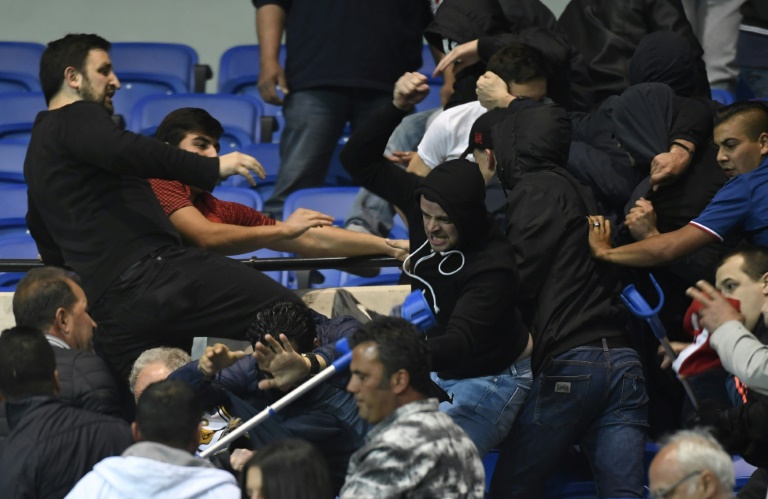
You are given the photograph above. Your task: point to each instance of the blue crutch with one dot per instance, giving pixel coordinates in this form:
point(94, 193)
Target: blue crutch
point(640, 308)
point(342, 346)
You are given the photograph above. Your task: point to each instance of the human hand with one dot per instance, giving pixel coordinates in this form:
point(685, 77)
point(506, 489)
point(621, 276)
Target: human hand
point(599, 235)
point(239, 457)
point(303, 219)
point(271, 77)
point(410, 89)
point(400, 248)
point(402, 158)
point(237, 163)
point(492, 91)
point(641, 220)
point(460, 57)
point(668, 166)
point(715, 310)
point(677, 347)
point(216, 358)
point(279, 359)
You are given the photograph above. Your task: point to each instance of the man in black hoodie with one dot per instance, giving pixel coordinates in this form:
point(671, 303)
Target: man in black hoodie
point(465, 268)
point(589, 387)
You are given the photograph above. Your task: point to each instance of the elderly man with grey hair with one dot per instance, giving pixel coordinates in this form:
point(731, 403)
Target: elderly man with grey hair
point(155, 365)
point(691, 465)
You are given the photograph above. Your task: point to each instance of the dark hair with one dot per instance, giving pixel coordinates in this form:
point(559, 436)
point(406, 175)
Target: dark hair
point(27, 364)
point(290, 469)
point(169, 412)
point(755, 116)
point(399, 347)
point(39, 293)
point(181, 122)
point(72, 50)
point(292, 318)
point(519, 63)
point(755, 259)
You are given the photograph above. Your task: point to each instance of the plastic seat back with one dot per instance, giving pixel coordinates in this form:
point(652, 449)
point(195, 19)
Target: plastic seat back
point(18, 112)
point(20, 66)
point(12, 154)
point(241, 195)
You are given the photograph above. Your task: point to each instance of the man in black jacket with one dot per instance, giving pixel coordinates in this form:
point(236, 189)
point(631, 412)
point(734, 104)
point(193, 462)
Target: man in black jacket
point(51, 445)
point(588, 386)
point(49, 300)
point(92, 209)
point(464, 267)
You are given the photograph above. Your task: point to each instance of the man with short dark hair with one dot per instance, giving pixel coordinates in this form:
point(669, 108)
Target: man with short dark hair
point(231, 228)
point(50, 300)
point(413, 449)
point(160, 463)
point(92, 209)
point(741, 136)
point(51, 444)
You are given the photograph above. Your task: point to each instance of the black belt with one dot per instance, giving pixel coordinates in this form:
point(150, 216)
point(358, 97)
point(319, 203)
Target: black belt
point(611, 342)
point(149, 256)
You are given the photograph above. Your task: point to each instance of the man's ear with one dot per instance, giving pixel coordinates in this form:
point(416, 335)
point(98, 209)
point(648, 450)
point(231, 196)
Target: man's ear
point(72, 77)
point(763, 139)
point(61, 320)
point(135, 432)
point(399, 381)
point(491, 160)
point(764, 281)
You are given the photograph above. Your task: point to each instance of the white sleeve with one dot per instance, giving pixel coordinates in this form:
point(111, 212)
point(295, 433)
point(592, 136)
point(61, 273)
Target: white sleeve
point(742, 354)
point(436, 143)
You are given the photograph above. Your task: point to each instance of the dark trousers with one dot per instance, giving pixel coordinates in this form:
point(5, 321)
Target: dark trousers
point(173, 295)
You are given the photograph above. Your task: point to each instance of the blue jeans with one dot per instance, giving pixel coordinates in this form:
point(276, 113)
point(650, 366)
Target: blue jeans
point(592, 396)
point(756, 80)
point(314, 122)
point(486, 407)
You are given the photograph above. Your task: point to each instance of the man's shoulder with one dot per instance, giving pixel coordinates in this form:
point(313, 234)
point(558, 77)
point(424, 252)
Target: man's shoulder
point(463, 111)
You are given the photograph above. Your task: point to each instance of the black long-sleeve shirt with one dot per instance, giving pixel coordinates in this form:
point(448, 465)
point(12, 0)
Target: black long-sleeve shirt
point(90, 205)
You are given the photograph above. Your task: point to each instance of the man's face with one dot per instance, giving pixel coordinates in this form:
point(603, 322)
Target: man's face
point(99, 80)
point(150, 374)
point(734, 283)
point(368, 383)
point(535, 89)
point(201, 144)
point(438, 227)
point(81, 332)
point(665, 475)
point(736, 152)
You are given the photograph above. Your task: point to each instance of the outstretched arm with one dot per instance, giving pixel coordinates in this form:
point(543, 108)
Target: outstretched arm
point(651, 252)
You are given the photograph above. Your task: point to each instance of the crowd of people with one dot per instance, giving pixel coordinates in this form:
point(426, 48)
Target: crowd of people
point(570, 158)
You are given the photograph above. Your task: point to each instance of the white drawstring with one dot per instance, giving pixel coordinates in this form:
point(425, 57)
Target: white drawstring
point(439, 269)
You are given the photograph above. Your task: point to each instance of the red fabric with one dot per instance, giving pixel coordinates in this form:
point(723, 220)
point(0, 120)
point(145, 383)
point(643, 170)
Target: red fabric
point(174, 195)
point(699, 356)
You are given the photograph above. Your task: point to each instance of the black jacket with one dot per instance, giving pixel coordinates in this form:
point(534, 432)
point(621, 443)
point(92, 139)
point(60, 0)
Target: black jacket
point(478, 332)
point(85, 382)
point(607, 32)
point(568, 296)
point(52, 446)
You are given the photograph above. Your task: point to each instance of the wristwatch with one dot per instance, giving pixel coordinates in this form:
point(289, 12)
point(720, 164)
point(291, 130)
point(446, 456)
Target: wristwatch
point(314, 365)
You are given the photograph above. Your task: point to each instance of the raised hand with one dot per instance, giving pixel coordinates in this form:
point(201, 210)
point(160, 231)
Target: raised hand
point(237, 163)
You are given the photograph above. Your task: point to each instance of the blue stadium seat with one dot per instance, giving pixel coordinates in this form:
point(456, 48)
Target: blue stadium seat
point(20, 66)
point(15, 246)
point(268, 154)
point(18, 112)
point(12, 154)
point(13, 208)
point(151, 69)
point(428, 66)
point(242, 195)
point(334, 201)
point(238, 74)
point(240, 115)
point(723, 96)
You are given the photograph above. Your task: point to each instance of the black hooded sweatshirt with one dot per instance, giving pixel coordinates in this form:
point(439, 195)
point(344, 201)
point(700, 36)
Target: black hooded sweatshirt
point(568, 296)
point(479, 332)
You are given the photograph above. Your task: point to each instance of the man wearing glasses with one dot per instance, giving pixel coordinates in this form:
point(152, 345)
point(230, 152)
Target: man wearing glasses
point(691, 465)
